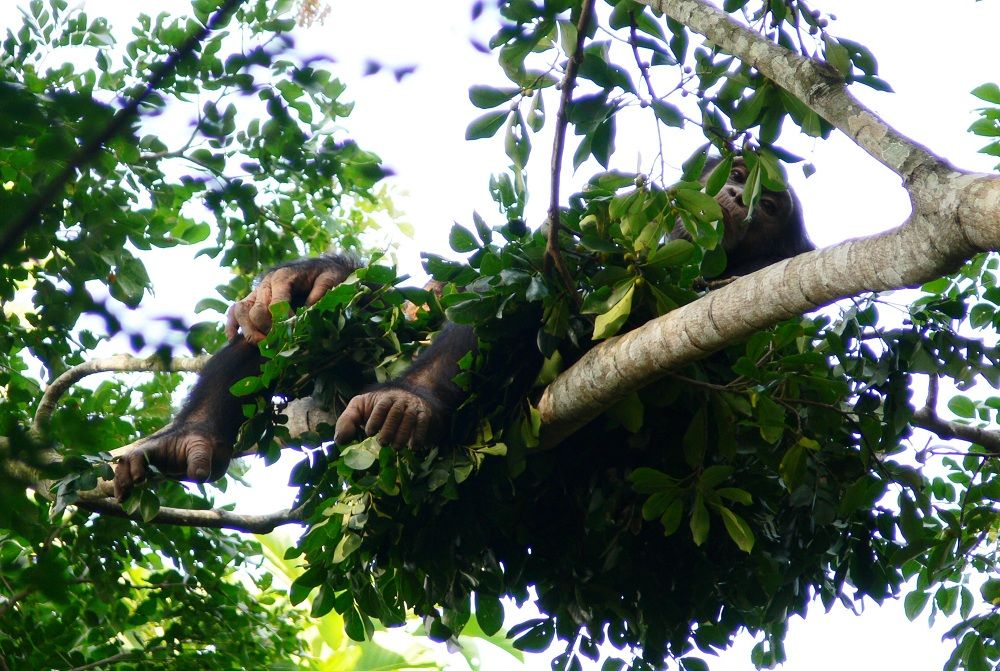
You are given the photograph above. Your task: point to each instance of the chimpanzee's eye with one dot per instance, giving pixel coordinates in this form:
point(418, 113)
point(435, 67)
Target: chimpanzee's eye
point(738, 175)
point(769, 206)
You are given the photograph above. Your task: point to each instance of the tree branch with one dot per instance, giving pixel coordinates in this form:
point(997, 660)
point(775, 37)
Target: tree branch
point(210, 519)
point(926, 419)
point(954, 217)
point(553, 257)
point(119, 363)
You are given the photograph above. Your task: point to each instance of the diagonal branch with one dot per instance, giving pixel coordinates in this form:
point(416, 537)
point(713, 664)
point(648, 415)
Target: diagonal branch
point(954, 217)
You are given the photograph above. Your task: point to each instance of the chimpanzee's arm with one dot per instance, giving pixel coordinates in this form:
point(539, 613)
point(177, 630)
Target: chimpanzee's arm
point(198, 444)
point(404, 411)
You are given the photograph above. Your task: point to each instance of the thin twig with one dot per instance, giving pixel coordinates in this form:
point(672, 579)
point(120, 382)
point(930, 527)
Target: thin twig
point(55, 187)
point(644, 71)
point(209, 519)
point(553, 257)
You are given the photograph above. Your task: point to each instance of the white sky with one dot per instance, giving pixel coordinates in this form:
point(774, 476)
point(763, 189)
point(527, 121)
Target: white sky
point(933, 54)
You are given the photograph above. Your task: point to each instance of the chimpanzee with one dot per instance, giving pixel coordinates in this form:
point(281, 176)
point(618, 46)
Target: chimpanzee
point(198, 444)
point(774, 230)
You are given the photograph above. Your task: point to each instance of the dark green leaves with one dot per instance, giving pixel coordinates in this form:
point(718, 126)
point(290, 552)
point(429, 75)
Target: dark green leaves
point(486, 97)
point(489, 613)
point(486, 125)
point(668, 114)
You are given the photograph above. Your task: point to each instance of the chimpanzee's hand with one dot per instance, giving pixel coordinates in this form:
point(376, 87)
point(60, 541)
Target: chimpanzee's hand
point(300, 283)
point(178, 453)
point(398, 416)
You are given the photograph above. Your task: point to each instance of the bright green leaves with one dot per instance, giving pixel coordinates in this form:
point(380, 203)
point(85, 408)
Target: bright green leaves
point(362, 455)
point(988, 123)
point(609, 322)
point(462, 240)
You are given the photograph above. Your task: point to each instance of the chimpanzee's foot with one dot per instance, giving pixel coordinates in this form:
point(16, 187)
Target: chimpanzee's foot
point(181, 453)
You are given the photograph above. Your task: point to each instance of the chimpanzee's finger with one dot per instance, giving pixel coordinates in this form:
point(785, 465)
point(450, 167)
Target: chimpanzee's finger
point(351, 419)
point(241, 313)
point(129, 471)
point(199, 459)
point(326, 281)
point(393, 420)
point(405, 430)
point(422, 429)
point(232, 324)
point(378, 414)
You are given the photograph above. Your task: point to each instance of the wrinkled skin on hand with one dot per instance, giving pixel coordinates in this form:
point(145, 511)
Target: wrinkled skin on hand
point(301, 283)
point(399, 417)
point(179, 453)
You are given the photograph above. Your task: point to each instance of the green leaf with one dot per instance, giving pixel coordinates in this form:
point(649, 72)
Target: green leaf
point(246, 386)
point(462, 240)
point(713, 476)
point(538, 638)
point(962, 406)
point(486, 125)
point(793, 467)
point(989, 92)
point(647, 480)
point(608, 324)
point(673, 253)
point(361, 456)
point(487, 97)
point(738, 529)
point(692, 664)
point(657, 504)
point(347, 545)
point(837, 55)
point(299, 592)
point(735, 494)
point(489, 613)
point(323, 603)
point(629, 411)
point(699, 520)
point(668, 114)
point(701, 205)
point(149, 505)
point(357, 625)
point(671, 518)
point(914, 603)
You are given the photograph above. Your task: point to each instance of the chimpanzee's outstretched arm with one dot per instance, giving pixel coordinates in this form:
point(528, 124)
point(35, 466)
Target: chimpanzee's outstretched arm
point(198, 444)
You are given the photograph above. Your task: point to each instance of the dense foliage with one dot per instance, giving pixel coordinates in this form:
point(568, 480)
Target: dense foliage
point(261, 159)
point(727, 496)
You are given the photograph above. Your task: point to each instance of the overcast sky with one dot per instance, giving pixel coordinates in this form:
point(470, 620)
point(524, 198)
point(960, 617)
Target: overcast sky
point(932, 53)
